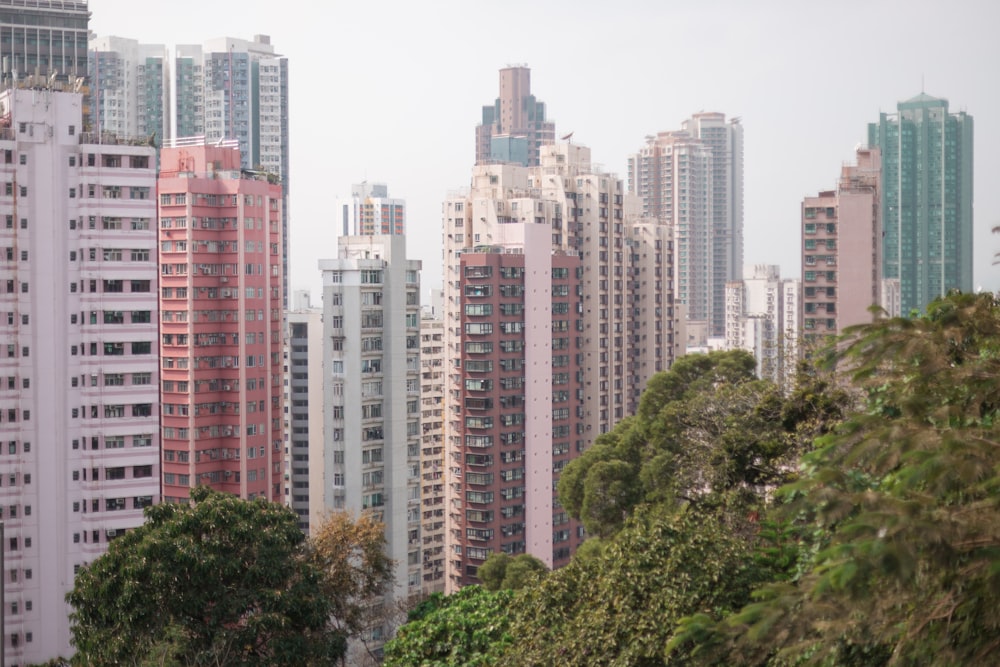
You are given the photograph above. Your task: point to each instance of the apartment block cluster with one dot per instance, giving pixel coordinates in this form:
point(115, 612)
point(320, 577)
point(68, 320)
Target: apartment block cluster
point(151, 345)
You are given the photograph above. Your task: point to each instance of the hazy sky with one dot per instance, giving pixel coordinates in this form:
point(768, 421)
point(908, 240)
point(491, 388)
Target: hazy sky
point(392, 92)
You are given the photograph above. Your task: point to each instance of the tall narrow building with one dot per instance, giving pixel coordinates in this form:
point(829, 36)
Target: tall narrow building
point(926, 198)
point(79, 406)
point(762, 318)
point(432, 463)
point(842, 250)
point(221, 323)
point(692, 180)
point(303, 401)
point(514, 127)
point(371, 459)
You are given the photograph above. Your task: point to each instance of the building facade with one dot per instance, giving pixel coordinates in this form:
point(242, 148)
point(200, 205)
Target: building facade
point(926, 198)
point(432, 463)
point(370, 211)
point(842, 250)
point(225, 89)
point(221, 324)
point(762, 318)
point(303, 398)
point(130, 88)
point(371, 458)
point(79, 406)
point(44, 37)
point(551, 280)
point(692, 180)
point(514, 127)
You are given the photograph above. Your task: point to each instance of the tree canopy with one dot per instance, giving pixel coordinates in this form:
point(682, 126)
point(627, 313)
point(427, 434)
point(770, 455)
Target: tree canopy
point(222, 581)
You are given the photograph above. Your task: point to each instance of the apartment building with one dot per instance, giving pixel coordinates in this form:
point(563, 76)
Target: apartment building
point(692, 180)
point(221, 328)
point(842, 249)
point(371, 458)
point(79, 406)
point(432, 463)
point(559, 292)
point(303, 399)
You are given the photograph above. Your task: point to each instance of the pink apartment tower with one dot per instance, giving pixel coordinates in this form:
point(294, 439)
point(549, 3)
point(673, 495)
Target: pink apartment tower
point(842, 249)
point(220, 326)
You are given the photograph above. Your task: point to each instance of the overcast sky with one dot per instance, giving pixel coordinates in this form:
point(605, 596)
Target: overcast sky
point(392, 92)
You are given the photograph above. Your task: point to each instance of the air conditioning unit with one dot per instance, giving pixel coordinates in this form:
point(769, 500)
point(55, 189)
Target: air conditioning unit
point(112, 532)
point(229, 473)
point(223, 279)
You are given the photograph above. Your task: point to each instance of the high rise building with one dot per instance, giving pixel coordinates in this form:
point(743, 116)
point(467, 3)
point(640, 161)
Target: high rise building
point(432, 464)
point(43, 37)
point(926, 198)
point(842, 250)
point(130, 88)
point(221, 323)
point(371, 462)
point(79, 407)
point(762, 319)
point(692, 179)
point(224, 89)
point(514, 127)
point(558, 308)
point(303, 400)
point(370, 210)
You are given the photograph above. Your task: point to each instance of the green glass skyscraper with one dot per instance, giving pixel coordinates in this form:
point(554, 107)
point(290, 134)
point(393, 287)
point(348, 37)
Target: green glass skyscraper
point(926, 199)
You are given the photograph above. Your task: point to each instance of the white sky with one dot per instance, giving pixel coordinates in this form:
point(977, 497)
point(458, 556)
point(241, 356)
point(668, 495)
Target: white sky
point(392, 91)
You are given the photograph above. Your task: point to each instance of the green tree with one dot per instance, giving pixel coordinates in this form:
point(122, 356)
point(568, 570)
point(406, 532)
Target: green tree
point(619, 606)
point(500, 571)
point(906, 493)
point(219, 582)
point(468, 628)
point(707, 432)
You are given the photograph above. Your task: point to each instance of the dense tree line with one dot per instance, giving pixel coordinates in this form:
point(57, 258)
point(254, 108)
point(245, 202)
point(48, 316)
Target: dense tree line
point(850, 522)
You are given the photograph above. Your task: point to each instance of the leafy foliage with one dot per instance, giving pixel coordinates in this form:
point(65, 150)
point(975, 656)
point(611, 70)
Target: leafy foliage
point(221, 581)
point(619, 606)
point(500, 571)
point(906, 493)
point(350, 553)
point(707, 432)
point(467, 628)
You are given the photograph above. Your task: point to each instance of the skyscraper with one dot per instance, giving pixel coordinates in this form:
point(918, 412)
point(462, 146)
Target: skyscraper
point(44, 37)
point(303, 399)
point(432, 463)
point(221, 324)
point(692, 179)
point(842, 250)
point(224, 89)
point(558, 308)
point(926, 198)
point(371, 459)
point(130, 88)
point(514, 127)
point(79, 407)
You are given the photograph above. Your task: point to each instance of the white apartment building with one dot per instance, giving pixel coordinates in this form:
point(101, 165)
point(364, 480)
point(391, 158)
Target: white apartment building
point(371, 411)
point(432, 463)
point(130, 87)
point(760, 319)
point(79, 406)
